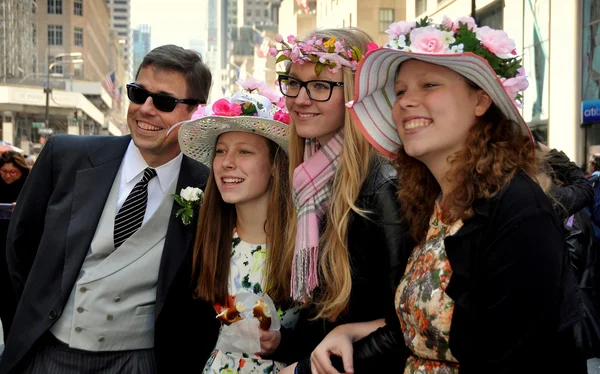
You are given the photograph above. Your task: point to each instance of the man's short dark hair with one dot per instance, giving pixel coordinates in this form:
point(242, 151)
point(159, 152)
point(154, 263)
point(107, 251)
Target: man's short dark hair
point(188, 62)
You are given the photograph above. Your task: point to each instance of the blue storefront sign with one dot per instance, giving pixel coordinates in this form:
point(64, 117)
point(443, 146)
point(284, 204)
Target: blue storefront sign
point(590, 111)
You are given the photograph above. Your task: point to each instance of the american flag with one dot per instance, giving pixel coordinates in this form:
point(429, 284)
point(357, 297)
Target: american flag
point(110, 85)
point(262, 47)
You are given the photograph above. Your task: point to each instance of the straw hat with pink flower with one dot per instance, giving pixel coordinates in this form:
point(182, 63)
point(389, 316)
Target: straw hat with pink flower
point(258, 109)
point(485, 56)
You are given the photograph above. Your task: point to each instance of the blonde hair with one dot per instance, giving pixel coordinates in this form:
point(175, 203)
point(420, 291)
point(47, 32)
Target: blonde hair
point(335, 273)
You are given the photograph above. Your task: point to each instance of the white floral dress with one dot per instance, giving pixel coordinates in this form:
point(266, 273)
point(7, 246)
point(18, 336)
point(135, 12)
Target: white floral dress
point(246, 275)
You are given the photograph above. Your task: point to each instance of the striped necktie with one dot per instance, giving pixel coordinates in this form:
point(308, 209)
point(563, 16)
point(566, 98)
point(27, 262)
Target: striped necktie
point(131, 215)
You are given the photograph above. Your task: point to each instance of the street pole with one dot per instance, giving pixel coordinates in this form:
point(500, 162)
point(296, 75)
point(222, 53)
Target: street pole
point(47, 91)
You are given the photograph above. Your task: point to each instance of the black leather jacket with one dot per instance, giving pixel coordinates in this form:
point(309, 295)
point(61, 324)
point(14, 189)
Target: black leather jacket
point(376, 244)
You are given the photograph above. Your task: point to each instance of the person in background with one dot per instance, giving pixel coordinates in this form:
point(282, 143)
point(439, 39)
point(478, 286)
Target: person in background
point(593, 209)
point(489, 287)
point(99, 261)
point(14, 172)
point(343, 225)
point(241, 233)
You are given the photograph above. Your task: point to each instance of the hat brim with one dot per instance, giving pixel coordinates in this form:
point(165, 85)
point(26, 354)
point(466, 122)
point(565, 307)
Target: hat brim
point(374, 93)
point(197, 138)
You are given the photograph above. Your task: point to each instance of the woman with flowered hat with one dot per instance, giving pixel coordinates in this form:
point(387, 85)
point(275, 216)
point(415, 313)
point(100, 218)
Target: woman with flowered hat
point(488, 288)
point(240, 239)
point(344, 193)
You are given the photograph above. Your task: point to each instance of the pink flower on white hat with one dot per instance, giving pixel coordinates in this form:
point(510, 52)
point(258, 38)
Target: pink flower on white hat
point(513, 86)
point(496, 41)
point(428, 40)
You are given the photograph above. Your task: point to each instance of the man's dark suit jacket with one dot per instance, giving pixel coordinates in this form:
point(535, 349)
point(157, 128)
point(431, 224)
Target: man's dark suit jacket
point(51, 231)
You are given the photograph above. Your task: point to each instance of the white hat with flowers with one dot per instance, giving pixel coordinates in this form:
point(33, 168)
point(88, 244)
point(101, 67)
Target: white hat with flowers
point(485, 56)
point(257, 110)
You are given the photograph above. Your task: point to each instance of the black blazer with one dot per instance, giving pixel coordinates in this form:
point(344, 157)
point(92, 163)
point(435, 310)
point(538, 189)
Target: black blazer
point(50, 233)
point(515, 294)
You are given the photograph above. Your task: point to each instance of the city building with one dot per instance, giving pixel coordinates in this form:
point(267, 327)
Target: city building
point(142, 37)
point(54, 81)
point(120, 22)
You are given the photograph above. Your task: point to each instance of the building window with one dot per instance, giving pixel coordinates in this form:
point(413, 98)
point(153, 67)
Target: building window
point(120, 10)
point(492, 15)
point(536, 61)
point(34, 7)
point(420, 7)
point(55, 35)
point(266, 12)
point(122, 33)
point(119, 26)
point(78, 36)
point(248, 13)
point(120, 18)
point(78, 70)
point(121, 2)
point(54, 6)
point(58, 68)
point(257, 12)
point(34, 33)
point(78, 7)
point(386, 17)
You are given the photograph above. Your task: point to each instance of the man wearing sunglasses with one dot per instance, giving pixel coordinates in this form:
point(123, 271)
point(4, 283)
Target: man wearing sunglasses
point(97, 258)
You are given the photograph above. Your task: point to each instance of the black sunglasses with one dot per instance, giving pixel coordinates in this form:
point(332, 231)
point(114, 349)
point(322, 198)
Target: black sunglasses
point(162, 102)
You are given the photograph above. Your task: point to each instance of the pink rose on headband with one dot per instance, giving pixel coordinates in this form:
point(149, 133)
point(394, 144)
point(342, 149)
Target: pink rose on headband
point(199, 113)
point(497, 41)
point(427, 40)
point(251, 84)
point(223, 107)
point(282, 116)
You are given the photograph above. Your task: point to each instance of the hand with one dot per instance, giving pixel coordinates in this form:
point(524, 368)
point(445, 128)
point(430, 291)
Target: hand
point(339, 343)
point(289, 369)
point(269, 341)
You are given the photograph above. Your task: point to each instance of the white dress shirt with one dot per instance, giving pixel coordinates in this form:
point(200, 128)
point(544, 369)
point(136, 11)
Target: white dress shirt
point(133, 171)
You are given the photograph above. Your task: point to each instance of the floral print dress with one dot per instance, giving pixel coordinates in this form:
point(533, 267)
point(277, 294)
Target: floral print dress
point(424, 309)
point(246, 275)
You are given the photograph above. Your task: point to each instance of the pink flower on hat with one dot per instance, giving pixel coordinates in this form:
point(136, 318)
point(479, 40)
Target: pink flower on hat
point(427, 40)
point(513, 86)
point(282, 116)
point(199, 113)
point(469, 21)
point(372, 47)
point(223, 107)
point(496, 41)
point(400, 28)
point(251, 84)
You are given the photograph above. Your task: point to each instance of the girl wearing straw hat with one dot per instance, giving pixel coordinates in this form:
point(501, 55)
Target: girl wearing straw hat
point(488, 288)
point(344, 193)
point(240, 240)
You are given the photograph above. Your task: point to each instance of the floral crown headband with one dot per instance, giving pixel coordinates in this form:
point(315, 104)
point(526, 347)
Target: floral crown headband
point(463, 35)
point(257, 100)
point(325, 52)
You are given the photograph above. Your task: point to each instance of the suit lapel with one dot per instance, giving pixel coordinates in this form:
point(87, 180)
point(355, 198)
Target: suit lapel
point(92, 186)
point(180, 238)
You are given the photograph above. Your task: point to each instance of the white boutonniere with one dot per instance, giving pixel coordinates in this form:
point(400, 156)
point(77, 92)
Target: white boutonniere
point(190, 198)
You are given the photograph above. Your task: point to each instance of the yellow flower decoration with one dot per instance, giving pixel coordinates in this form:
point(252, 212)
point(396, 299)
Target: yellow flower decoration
point(330, 43)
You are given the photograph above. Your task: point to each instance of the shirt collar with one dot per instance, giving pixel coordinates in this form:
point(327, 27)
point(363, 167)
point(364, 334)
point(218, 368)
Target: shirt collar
point(134, 165)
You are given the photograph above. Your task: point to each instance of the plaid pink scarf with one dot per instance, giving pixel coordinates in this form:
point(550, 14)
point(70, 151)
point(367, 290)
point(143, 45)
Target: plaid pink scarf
point(312, 190)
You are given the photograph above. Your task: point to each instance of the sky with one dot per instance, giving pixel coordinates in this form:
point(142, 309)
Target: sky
point(171, 21)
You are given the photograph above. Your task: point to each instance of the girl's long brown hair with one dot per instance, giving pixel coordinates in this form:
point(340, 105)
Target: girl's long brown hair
point(212, 248)
point(494, 152)
point(335, 274)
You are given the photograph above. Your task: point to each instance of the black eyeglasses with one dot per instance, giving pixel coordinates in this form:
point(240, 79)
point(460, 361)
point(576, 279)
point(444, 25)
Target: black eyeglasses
point(317, 90)
point(162, 102)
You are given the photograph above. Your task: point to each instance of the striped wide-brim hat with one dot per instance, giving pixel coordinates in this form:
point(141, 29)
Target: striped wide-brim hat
point(374, 93)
